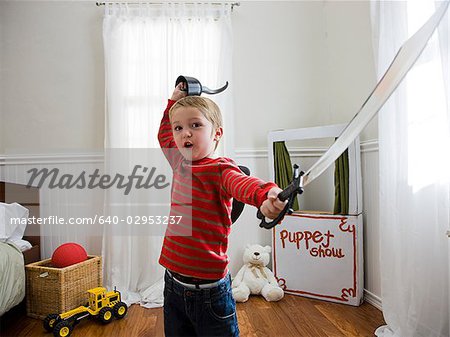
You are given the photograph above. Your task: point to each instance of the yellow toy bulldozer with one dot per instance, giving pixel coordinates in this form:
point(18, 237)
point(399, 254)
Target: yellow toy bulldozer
point(102, 304)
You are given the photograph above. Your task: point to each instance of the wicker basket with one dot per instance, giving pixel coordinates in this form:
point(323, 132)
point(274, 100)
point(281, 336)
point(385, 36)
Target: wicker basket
point(57, 290)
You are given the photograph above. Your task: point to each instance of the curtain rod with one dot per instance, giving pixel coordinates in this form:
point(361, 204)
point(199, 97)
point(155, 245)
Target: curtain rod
point(233, 4)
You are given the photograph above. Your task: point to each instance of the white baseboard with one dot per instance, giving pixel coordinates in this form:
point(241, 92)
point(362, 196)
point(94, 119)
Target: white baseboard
point(373, 299)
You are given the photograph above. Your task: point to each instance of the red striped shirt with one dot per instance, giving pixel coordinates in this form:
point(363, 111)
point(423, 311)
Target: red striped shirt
point(202, 193)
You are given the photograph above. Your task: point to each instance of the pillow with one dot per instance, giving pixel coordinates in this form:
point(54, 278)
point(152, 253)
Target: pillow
point(23, 245)
point(13, 221)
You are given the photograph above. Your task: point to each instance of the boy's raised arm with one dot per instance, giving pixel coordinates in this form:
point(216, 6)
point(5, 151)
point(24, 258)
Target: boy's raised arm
point(165, 135)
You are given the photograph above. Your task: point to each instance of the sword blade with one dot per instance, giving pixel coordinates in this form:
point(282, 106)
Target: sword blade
point(407, 55)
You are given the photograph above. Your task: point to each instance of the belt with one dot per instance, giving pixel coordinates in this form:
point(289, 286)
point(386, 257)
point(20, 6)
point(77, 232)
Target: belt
point(192, 282)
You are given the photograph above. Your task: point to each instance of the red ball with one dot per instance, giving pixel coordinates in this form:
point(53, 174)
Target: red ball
point(68, 254)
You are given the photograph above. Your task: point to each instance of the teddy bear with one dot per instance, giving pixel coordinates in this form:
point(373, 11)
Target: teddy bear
point(254, 277)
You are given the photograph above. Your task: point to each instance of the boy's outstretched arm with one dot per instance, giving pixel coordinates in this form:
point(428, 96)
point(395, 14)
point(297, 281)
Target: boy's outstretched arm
point(253, 191)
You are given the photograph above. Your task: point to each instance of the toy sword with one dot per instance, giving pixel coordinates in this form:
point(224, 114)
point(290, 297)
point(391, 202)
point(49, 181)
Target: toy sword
point(402, 63)
point(407, 55)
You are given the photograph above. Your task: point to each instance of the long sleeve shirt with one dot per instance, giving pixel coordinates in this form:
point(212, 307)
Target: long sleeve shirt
point(201, 196)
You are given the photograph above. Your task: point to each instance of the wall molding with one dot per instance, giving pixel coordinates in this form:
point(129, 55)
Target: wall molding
point(294, 152)
point(51, 158)
point(369, 146)
point(373, 299)
point(366, 146)
point(98, 157)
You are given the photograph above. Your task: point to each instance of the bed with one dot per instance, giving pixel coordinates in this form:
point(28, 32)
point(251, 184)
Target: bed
point(19, 243)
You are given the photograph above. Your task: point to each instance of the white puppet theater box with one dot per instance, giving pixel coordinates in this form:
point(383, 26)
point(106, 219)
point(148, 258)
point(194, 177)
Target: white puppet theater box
point(317, 254)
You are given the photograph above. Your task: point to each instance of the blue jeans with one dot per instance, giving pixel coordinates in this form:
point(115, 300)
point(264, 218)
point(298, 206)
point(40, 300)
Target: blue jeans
point(199, 312)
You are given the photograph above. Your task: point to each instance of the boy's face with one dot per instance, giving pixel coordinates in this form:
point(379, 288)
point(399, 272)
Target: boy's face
point(193, 133)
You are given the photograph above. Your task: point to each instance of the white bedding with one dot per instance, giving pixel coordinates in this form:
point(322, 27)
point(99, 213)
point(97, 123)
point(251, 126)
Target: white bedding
point(21, 244)
point(12, 269)
point(12, 221)
point(12, 277)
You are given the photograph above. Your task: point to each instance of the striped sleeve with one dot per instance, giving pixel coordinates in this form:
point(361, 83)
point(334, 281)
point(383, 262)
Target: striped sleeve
point(165, 138)
point(247, 189)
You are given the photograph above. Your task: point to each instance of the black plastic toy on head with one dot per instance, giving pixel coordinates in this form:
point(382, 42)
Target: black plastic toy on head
point(195, 88)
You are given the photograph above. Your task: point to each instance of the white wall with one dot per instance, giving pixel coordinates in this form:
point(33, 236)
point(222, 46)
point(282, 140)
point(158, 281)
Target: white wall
point(299, 64)
point(51, 76)
point(296, 64)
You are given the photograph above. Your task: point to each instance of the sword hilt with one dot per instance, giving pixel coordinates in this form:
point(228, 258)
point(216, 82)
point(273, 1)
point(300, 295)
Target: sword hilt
point(289, 193)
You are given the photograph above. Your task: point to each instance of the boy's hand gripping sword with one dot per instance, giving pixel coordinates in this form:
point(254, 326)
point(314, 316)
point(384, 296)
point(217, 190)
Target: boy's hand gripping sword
point(289, 193)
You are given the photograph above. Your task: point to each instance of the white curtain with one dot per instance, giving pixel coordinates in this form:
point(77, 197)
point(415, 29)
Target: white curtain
point(414, 143)
point(146, 47)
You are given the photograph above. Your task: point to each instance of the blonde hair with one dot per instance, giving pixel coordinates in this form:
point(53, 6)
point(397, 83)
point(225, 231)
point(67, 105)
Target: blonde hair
point(206, 106)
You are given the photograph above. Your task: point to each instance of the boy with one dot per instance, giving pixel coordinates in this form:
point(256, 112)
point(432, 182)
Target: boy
point(197, 294)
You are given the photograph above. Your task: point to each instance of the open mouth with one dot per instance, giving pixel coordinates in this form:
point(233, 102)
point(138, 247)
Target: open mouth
point(188, 145)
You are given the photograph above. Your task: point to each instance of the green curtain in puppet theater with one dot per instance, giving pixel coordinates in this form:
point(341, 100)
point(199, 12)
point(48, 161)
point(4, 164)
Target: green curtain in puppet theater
point(283, 176)
point(341, 173)
point(283, 168)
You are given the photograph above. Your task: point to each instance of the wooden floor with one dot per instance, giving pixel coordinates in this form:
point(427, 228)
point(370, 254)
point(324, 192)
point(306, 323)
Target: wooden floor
point(292, 316)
